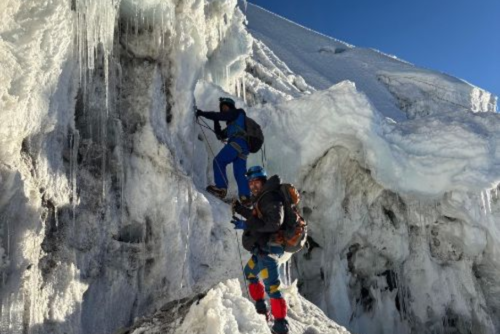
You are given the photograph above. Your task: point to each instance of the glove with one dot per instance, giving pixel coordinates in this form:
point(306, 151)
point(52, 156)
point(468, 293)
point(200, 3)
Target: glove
point(237, 207)
point(199, 113)
point(239, 224)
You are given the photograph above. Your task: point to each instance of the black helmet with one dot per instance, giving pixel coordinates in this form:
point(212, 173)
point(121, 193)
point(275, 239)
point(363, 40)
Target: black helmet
point(227, 101)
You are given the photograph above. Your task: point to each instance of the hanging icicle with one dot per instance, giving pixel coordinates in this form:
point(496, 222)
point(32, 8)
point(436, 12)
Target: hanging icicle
point(244, 89)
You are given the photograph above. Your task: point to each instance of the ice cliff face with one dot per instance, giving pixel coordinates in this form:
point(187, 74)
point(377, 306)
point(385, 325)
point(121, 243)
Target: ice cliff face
point(101, 221)
point(102, 214)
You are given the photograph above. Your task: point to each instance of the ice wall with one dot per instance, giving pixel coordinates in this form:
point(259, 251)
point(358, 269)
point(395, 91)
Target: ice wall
point(101, 217)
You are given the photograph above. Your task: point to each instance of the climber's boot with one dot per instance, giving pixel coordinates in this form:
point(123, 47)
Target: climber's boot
point(279, 310)
point(261, 308)
point(280, 327)
point(217, 192)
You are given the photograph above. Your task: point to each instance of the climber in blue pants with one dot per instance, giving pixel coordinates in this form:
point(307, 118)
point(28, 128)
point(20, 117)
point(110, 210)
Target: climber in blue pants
point(235, 151)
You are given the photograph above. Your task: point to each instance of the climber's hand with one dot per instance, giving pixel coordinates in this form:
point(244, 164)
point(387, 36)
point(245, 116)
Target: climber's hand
point(239, 224)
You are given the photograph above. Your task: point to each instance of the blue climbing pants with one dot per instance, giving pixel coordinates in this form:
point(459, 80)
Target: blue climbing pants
point(265, 264)
point(229, 154)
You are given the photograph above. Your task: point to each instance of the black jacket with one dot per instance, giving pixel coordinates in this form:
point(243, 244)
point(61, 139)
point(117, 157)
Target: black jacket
point(217, 117)
point(262, 226)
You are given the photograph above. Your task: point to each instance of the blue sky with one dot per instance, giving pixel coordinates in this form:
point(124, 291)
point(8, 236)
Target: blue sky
point(458, 37)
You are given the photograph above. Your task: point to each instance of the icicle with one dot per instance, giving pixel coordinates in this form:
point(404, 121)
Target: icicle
point(106, 83)
point(220, 28)
point(56, 218)
point(488, 200)
point(95, 29)
point(244, 90)
point(75, 143)
point(103, 156)
point(237, 87)
point(483, 202)
point(136, 22)
point(226, 81)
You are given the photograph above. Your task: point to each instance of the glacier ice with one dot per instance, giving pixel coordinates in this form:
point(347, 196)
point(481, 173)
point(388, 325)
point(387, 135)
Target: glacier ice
point(103, 219)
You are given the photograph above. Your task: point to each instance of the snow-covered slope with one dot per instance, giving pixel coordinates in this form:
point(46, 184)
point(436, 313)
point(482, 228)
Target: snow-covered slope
point(103, 217)
point(396, 88)
point(223, 309)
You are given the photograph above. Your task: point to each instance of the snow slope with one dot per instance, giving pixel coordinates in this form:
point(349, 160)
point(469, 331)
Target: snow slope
point(223, 309)
point(390, 84)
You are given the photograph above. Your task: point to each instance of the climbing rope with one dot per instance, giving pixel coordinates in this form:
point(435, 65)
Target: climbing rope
point(264, 157)
point(210, 148)
point(225, 181)
point(205, 125)
point(241, 264)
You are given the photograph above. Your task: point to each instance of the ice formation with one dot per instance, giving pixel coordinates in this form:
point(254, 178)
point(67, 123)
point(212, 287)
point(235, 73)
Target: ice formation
point(223, 309)
point(103, 219)
point(397, 167)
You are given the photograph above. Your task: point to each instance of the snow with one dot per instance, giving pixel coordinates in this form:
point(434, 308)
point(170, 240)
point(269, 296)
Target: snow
point(103, 216)
point(427, 157)
point(324, 61)
point(396, 166)
point(413, 165)
point(223, 309)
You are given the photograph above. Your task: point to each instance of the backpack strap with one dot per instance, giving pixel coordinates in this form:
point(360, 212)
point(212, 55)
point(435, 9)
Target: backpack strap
point(242, 133)
point(259, 213)
point(238, 148)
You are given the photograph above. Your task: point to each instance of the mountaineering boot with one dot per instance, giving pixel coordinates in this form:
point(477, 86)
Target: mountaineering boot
point(280, 327)
point(246, 201)
point(218, 192)
point(279, 310)
point(261, 308)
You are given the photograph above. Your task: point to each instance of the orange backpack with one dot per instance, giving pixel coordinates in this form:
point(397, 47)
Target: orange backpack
point(293, 233)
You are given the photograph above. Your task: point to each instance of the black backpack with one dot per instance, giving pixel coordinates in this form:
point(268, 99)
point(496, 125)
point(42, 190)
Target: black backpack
point(253, 134)
point(293, 233)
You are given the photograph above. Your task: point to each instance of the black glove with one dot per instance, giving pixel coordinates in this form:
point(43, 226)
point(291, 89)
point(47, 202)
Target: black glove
point(238, 207)
point(199, 113)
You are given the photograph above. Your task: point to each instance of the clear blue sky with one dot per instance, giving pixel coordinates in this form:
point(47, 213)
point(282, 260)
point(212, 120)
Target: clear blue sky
point(458, 37)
